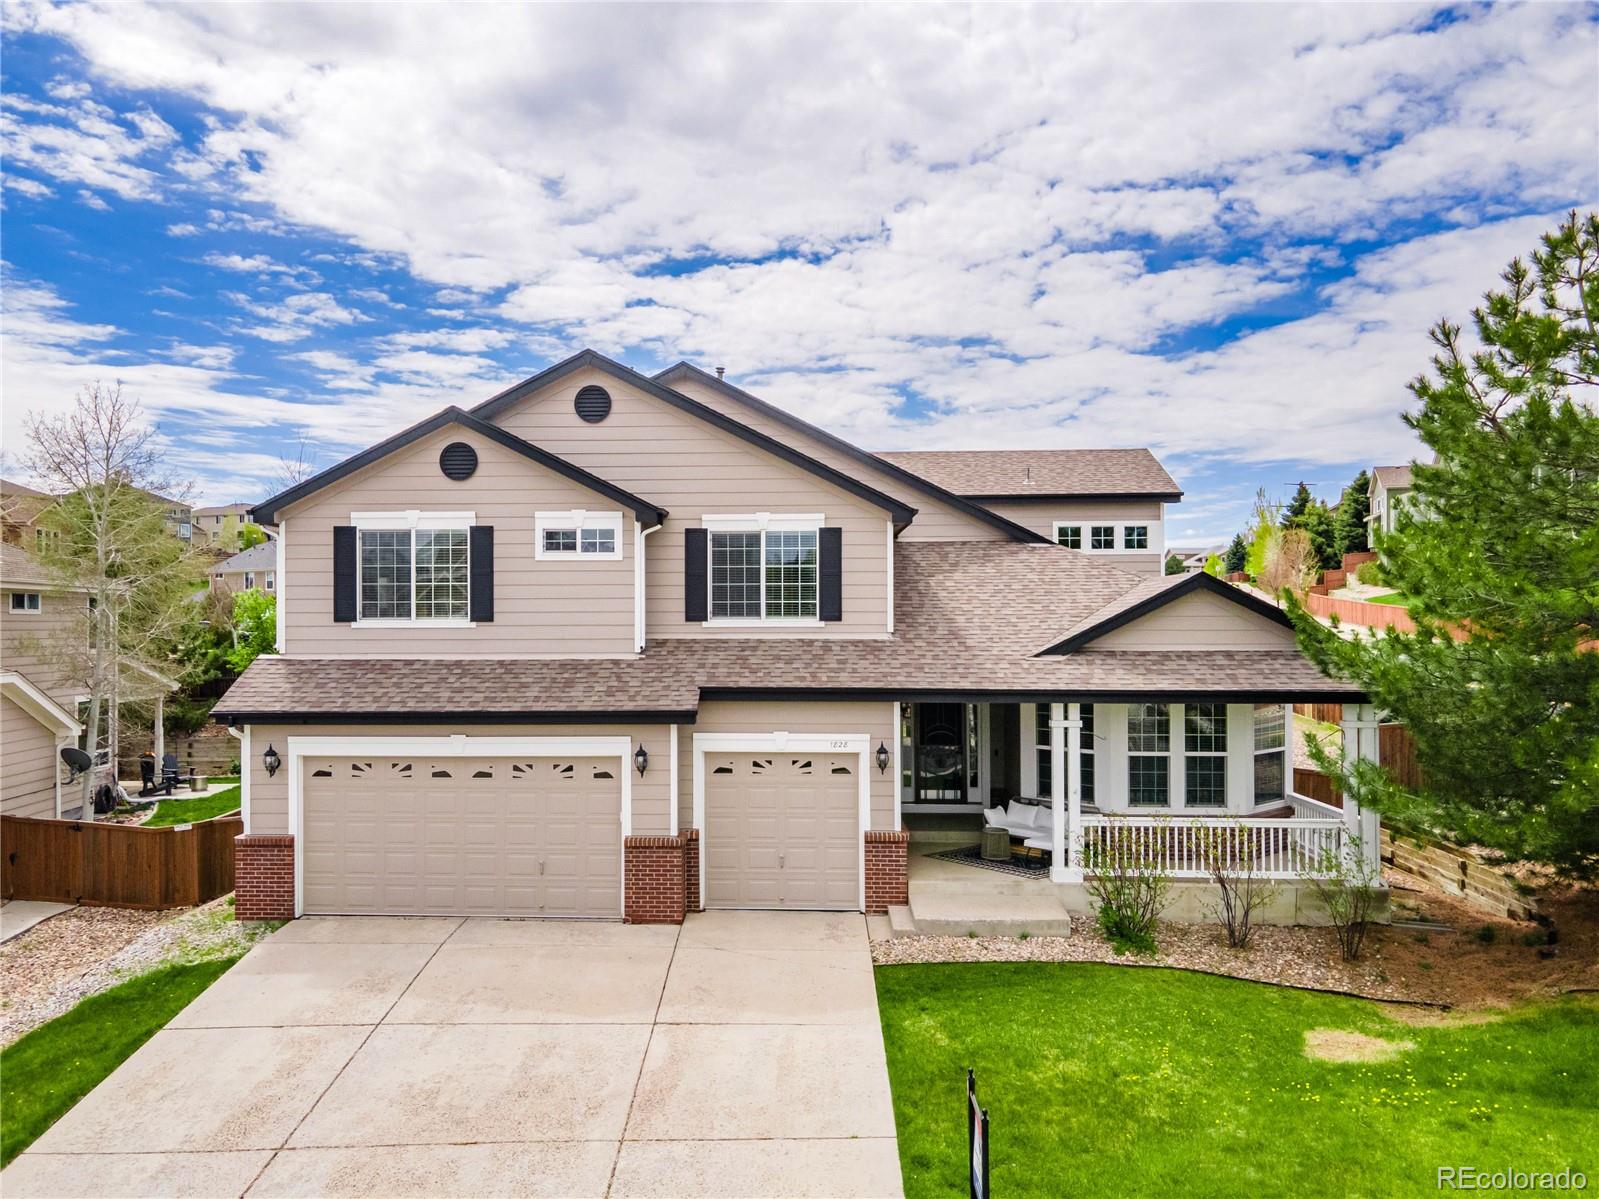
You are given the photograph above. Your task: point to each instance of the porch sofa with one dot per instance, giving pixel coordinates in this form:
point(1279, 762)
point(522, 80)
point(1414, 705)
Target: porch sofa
point(1031, 823)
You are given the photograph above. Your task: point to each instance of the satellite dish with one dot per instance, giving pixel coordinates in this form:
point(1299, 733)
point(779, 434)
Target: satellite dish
point(76, 759)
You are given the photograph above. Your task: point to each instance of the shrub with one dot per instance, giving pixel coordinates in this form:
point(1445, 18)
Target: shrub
point(1230, 854)
point(1369, 574)
point(1487, 934)
point(1349, 889)
point(1130, 890)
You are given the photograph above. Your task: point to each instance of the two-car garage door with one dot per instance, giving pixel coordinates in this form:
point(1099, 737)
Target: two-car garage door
point(419, 835)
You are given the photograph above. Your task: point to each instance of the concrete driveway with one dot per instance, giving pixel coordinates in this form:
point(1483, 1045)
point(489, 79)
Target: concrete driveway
point(737, 1056)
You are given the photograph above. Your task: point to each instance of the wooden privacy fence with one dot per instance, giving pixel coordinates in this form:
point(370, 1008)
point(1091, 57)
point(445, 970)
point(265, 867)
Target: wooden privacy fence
point(1326, 713)
point(117, 865)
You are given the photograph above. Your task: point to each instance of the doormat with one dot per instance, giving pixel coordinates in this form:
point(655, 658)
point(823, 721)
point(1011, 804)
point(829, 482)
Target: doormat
point(972, 855)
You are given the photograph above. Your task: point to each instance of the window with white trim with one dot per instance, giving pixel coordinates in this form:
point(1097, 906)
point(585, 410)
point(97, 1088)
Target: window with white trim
point(249, 579)
point(1102, 537)
point(1271, 753)
point(1135, 537)
point(1205, 756)
point(763, 567)
point(271, 580)
point(413, 574)
point(1071, 536)
point(590, 536)
point(1148, 755)
point(26, 601)
point(1046, 764)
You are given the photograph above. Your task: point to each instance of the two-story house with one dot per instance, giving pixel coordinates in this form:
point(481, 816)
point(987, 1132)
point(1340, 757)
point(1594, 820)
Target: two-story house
point(1388, 492)
point(38, 695)
point(611, 645)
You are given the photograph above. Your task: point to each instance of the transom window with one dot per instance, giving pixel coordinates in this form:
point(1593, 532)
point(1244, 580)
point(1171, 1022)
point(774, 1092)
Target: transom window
point(1135, 537)
point(1148, 755)
point(766, 574)
point(1271, 753)
point(413, 574)
point(1071, 536)
point(25, 601)
point(1102, 537)
point(578, 534)
point(1205, 755)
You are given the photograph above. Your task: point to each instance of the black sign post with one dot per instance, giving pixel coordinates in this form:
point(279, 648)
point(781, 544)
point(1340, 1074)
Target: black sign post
point(976, 1139)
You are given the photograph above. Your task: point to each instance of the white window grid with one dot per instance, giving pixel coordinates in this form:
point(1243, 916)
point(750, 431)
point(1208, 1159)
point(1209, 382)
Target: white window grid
point(413, 574)
point(1205, 755)
point(1148, 755)
point(1270, 753)
point(764, 574)
point(577, 534)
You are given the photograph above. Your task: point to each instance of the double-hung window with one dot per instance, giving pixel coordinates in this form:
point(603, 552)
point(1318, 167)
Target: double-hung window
point(1148, 755)
point(1046, 771)
point(588, 536)
point(413, 566)
point(1205, 756)
point(766, 573)
point(1271, 753)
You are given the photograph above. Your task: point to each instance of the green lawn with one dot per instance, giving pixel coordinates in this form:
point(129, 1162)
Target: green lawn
point(192, 811)
point(1393, 597)
point(44, 1073)
point(1108, 1080)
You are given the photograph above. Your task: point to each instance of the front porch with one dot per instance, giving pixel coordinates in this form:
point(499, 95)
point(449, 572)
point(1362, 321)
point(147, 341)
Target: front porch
point(1178, 785)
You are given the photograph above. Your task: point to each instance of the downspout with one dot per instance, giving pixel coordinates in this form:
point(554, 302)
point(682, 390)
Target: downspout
point(244, 773)
point(640, 609)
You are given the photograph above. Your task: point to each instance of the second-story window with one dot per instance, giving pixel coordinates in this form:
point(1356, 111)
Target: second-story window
point(413, 574)
point(1135, 537)
point(1071, 536)
point(584, 535)
point(764, 574)
point(1102, 537)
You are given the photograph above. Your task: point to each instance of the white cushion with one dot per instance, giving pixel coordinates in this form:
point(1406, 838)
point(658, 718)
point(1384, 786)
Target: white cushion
point(1024, 816)
point(994, 817)
point(1046, 818)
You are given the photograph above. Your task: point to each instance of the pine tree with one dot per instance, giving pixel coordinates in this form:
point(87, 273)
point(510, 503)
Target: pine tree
point(1317, 522)
point(1297, 507)
point(1237, 553)
point(1499, 557)
point(1349, 519)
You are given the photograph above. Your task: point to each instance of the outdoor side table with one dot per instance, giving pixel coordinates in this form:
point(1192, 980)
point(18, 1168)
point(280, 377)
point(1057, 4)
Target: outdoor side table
point(996, 845)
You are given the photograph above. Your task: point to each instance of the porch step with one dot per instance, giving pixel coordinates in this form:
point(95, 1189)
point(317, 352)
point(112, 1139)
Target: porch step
point(900, 921)
point(989, 915)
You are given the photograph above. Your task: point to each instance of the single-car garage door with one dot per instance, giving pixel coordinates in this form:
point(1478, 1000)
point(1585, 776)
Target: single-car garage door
point(782, 830)
point(455, 836)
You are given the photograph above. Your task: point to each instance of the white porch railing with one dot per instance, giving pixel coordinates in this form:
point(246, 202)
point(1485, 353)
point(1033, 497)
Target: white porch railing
point(1185, 846)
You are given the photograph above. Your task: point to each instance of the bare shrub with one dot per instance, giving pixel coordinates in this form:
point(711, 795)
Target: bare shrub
point(1124, 878)
point(1231, 856)
point(1349, 888)
point(1290, 562)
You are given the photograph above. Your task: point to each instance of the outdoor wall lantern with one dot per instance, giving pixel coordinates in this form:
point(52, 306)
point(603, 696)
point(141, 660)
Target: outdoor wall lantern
point(641, 759)
point(271, 760)
point(882, 758)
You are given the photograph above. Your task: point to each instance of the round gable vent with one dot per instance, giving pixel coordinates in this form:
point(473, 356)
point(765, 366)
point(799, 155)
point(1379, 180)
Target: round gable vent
point(458, 461)
point(593, 404)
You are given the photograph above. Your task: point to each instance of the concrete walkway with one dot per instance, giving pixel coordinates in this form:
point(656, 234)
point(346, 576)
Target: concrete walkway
point(17, 916)
point(737, 1056)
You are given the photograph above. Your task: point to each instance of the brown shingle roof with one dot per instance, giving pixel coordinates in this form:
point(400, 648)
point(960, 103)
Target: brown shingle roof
point(1048, 474)
point(1392, 477)
point(19, 566)
point(970, 617)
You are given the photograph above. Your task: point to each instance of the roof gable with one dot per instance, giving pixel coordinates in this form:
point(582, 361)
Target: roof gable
point(1149, 597)
point(686, 370)
point(267, 511)
point(901, 513)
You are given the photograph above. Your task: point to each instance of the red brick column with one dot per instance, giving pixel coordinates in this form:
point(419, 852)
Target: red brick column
point(263, 876)
point(887, 881)
point(654, 880)
point(691, 869)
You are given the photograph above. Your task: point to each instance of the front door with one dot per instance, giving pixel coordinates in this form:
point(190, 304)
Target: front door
point(940, 751)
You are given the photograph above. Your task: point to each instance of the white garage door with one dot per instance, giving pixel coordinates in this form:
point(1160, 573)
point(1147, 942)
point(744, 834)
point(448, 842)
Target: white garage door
point(461, 836)
point(782, 830)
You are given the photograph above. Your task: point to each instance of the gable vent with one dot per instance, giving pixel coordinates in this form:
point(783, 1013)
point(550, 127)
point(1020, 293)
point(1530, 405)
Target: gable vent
point(458, 461)
point(593, 404)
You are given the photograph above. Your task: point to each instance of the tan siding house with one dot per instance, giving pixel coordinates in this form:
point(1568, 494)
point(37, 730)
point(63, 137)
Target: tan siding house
point(38, 701)
point(618, 646)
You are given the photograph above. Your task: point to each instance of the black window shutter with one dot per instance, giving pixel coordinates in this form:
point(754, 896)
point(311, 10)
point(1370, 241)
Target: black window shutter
point(830, 571)
point(696, 557)
point(345, 566)
point(480, 559)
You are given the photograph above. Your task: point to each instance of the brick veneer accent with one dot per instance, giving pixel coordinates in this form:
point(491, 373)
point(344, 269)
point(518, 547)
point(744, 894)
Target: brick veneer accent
point(691, 869)
point(653, 882)
point(263, 876)
point(887, 880)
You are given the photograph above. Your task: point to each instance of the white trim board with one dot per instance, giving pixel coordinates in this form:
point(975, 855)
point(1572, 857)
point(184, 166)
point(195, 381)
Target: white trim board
point(27, 696)
point(459, 745)
point(782, 742)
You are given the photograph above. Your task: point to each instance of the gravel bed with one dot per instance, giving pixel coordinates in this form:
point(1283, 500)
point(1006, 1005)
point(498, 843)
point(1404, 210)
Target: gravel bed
point(53, 966)
point(1297, 957)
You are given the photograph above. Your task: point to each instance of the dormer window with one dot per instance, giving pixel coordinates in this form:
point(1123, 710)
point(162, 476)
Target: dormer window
point(588, 536)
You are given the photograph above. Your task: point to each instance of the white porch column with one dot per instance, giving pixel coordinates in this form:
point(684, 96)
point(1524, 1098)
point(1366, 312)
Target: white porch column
point(160, 728)
point(1360, 725)
point(1066, 793)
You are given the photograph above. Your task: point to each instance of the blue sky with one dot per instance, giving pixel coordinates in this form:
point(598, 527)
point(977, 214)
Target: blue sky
point(1220, 231)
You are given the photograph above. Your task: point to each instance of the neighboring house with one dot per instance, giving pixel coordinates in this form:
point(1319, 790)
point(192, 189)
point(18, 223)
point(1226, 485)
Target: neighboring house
point(255, 567)
point(611, 645)
point(1194, 560)
point(1110, 502)
point(1389, 490)
point(179, 517)
point(220, 526)
point(38, 703)
point(20, 509)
